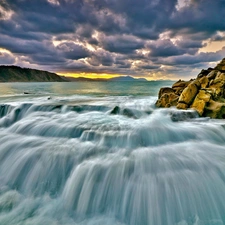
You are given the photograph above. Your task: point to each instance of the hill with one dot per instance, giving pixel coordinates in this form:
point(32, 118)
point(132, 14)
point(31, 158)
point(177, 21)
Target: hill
point(118, 79)
point(126, 78)
point(18, 74)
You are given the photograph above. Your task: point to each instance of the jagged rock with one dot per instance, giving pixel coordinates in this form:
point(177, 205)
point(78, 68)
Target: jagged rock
point(212, 74)
point(167, 100)
point(204, 81)
point(181, 83)
point(215, 110)
point(165, 90)
point(205, 94)
point(204, 73)
point(179, 86)
point(221, 65)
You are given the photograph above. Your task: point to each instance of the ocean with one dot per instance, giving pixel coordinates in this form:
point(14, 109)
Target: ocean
point(100, 153)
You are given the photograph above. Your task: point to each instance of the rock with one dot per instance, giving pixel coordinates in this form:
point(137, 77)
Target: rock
point(183, 115)
point(179, 86)
point(205, 94)
point(219, 79)
point(212, 74)
point(181, 83)
point(200, 101)
point(189, 93)
point(116, 110)
point(129, 113)
point(221, 65)
point(204, 73)
point(204, 81)
point(167, 100)
point(165, 90)
point(182, 106)
point(215, 110)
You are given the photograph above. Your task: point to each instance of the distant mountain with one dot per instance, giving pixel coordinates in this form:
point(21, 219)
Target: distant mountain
point(118, 79)
point(77, 79)
point(126, 78)
point(18, 74)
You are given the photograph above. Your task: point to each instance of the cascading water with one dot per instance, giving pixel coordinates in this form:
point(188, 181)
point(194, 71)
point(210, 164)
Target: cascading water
point(76, 162)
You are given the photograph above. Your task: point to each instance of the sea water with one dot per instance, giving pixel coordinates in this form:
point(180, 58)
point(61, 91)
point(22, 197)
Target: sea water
point(100, 153)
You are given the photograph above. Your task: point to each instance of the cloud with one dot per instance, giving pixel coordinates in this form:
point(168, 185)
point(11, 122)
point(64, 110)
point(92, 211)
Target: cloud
point(121, 44)
point(124, 37)
point(6, 58)
point(72, 51)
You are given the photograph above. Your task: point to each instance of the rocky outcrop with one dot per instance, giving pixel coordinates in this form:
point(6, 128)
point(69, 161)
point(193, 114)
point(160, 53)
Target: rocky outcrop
point(205, 94)
point(18, 74)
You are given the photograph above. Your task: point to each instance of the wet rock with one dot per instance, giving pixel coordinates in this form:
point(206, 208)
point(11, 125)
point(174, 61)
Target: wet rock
point(129, 113)
point(116, 110)
point(183, 115)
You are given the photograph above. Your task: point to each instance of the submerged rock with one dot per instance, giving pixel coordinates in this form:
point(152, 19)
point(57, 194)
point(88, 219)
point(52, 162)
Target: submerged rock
point(205, 94)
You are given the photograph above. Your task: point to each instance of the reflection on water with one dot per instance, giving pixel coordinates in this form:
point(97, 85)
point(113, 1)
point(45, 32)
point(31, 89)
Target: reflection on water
point(85, 88)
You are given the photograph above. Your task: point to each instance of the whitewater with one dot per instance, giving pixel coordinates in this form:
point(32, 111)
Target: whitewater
point(98, 153)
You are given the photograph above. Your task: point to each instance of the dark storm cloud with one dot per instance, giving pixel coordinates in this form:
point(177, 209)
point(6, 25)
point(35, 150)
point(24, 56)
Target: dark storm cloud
point(201, 15)
point(111, 35)
point(6, 58)
point(195, 59)
point(101, 58)
point(73, 51)
point(165, 48)
point(123, 45)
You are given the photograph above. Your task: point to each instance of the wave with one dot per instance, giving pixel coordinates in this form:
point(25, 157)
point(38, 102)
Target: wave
point(85, 164)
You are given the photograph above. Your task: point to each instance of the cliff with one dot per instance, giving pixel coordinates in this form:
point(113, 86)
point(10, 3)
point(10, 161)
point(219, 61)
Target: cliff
point(18, 74)
point(205, 94)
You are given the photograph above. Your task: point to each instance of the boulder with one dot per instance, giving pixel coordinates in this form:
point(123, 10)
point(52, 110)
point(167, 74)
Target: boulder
point(182, 106)
point(221, 65)
point(215, 110)
point(204, 81)
point(165, 90)
point(204, 73)
point(167, 100)
point(189, 93)
point(200, 101)
point(212, 74)
point(116, 110)
point(181, 83)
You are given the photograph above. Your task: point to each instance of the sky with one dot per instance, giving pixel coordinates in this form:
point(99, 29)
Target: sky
point(155, 39)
